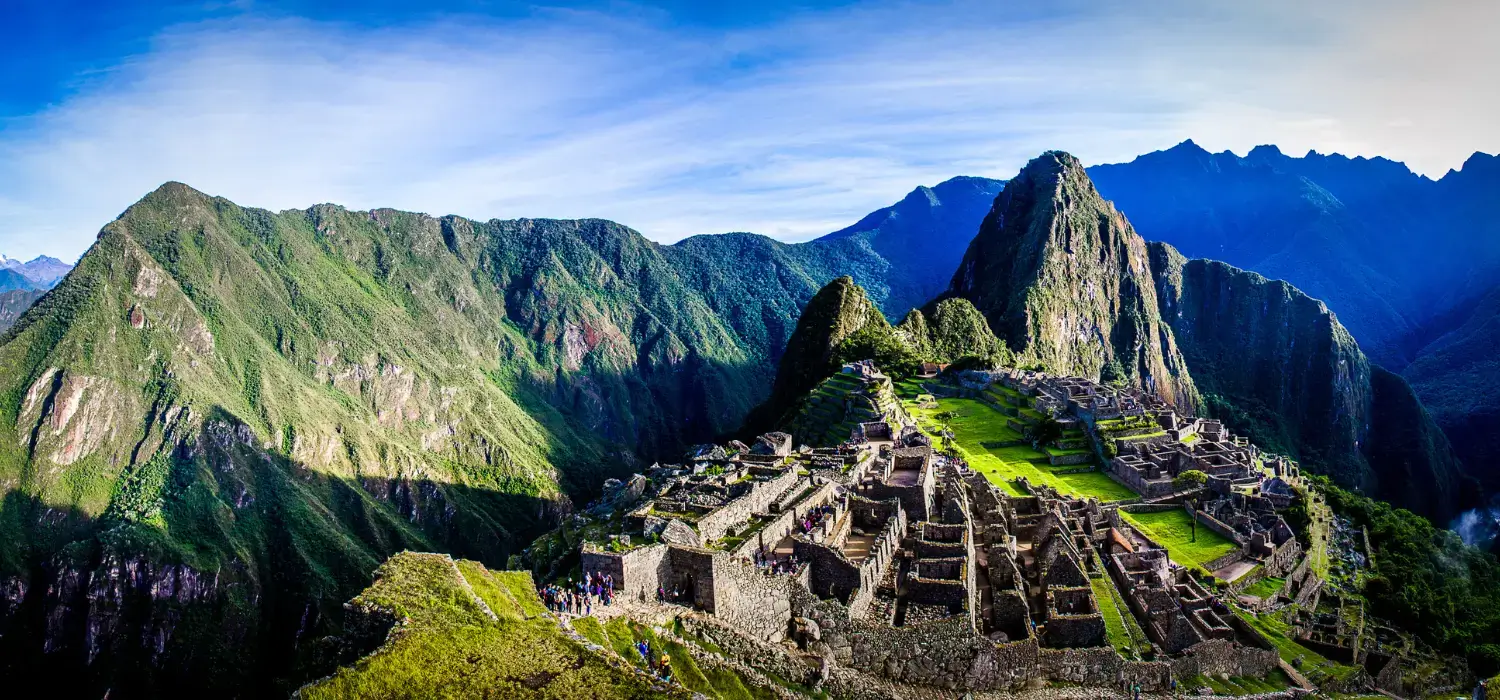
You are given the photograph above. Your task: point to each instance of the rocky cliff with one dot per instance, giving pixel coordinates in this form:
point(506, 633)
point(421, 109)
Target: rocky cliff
point(1065, 281)
point(1277, 365)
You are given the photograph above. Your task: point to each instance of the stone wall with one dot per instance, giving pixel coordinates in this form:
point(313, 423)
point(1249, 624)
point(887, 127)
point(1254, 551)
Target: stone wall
point(694, 570)
point(1283, 558)
point(831, 574)
point(1214, 657)
point(882, 553)
point(785, 522)
point(715, 525)
point(937, 592)
point(1076, 631)
point(637, 573)
point(757, 604)
point(1224, 561)
point(1213, 523)
point(1070, 459)
point(1096, 666)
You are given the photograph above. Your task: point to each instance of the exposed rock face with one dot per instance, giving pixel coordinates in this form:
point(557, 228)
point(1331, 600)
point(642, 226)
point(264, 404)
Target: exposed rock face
point(1281, 367)
point(1065, 281)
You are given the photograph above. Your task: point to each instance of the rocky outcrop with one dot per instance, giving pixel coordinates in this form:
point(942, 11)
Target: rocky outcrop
point(1066, 282)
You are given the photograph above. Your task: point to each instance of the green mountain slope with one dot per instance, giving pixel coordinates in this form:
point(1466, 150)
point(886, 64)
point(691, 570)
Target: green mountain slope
point(226, 418)
point(1067, 282)
point(1458, 377)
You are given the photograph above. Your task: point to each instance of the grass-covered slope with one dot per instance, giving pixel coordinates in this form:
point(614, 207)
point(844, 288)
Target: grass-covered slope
point(463, 631)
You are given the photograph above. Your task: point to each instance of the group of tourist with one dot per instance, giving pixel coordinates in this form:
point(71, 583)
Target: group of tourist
point(659, 664)
point(675, 594)
point(815, 516)
point(579, 598)
point(772, 564)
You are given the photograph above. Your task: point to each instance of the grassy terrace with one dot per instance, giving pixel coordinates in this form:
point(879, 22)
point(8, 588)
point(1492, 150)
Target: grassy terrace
point(621, 634)
point(1240, 685)
point(1313, 665)
point(450, 647)
point(1265, 587)
point(974, 422)
point(1173, 529)
point(1120, 626)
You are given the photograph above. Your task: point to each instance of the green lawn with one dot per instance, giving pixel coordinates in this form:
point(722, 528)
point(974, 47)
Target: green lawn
point(974, 422)
point(1173, 529)
point(1265, 587)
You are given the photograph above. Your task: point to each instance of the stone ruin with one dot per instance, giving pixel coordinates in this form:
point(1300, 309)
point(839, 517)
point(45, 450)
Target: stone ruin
point(891, 560)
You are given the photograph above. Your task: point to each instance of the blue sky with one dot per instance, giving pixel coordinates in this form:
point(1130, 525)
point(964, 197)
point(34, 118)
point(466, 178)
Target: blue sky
point(788, 119)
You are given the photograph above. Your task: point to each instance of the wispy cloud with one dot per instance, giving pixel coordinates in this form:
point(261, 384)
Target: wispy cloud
point(790, 130)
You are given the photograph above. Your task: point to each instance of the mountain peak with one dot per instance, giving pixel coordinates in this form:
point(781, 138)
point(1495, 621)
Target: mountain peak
point(1055, 264)
point(1265, 151)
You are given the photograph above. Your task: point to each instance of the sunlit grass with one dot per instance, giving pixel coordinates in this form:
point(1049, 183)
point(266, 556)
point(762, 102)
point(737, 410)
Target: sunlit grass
point(1173, 529)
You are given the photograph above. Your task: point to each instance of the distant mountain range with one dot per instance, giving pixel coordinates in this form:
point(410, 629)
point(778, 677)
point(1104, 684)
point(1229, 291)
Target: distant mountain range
point(42, 272)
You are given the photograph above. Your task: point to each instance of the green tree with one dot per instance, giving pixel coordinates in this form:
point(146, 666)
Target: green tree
point(1189, 480)
point(1112, 373)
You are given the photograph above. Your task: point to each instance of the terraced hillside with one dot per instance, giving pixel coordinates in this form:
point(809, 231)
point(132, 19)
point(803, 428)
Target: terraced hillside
point(833, 409)
point(990, 440)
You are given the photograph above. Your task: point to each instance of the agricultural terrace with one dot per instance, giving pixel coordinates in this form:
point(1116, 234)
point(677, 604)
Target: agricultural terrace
point(1173, 529)
point(1315, 666)
point(976, 424)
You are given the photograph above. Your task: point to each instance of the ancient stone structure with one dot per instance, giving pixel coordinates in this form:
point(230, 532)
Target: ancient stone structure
point(883, 557)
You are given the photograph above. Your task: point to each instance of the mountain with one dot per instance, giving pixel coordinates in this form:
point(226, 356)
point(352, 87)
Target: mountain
point(1384, 247)
point(839, 314)
point(43, 271)
point(1067, 282)
point(215, 428)
point(11, 280)
point(1458, 377)
point(14, 303)
point(923, 236)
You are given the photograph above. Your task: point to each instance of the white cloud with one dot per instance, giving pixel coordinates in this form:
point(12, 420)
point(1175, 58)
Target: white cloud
point(790, 130)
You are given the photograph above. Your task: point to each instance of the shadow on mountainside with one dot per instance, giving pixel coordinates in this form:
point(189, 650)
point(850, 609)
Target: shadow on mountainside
point(235, 586)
